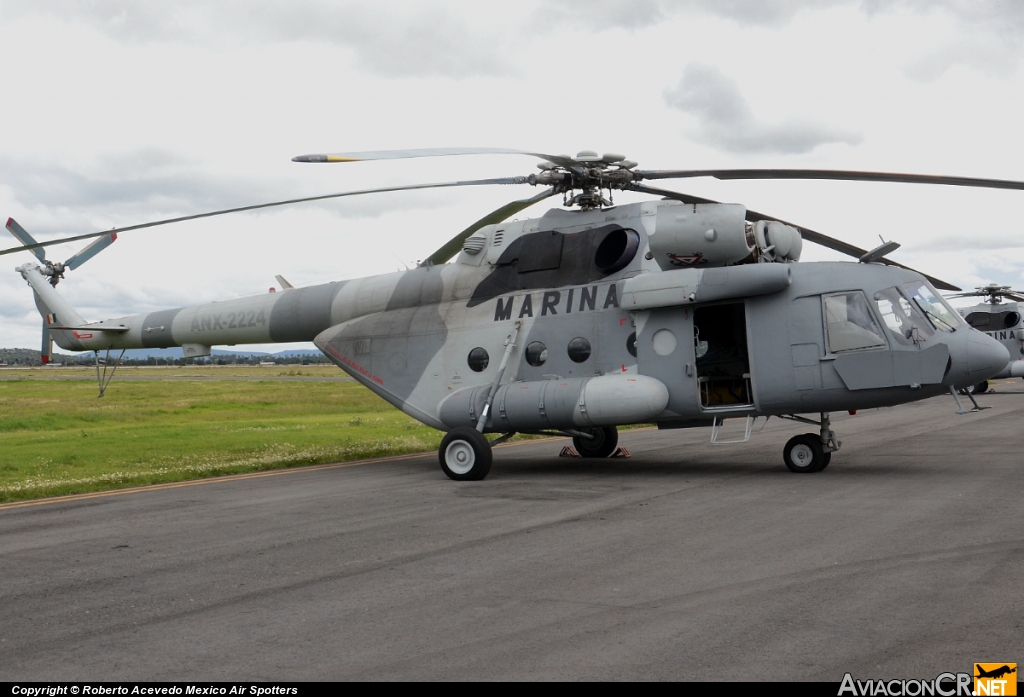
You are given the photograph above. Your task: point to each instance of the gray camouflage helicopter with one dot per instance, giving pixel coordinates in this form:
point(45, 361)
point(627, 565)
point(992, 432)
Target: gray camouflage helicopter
point(679, 311)
point(1000, 320)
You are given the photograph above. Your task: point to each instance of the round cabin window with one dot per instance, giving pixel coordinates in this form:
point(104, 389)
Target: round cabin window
point(536, 353)
point(478, 359)
point(579, 349)
point(631, 344)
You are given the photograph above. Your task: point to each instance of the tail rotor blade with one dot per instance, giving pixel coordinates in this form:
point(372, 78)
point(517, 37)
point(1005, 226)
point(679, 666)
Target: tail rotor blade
point(90, 251)
point(26, 239)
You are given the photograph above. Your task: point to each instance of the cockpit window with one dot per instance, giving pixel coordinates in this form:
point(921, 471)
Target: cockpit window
point(850, 324)
point(932, 306)
point(904, 320)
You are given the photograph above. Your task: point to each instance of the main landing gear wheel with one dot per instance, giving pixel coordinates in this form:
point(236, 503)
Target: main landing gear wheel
point(980, 388)
point(804, 453)
point(603, 444)
point(465, 454)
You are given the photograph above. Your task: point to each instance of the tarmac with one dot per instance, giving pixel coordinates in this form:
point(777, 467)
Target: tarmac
point(687, 561)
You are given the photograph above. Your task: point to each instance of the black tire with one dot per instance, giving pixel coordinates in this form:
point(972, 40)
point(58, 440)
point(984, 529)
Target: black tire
point(825, 460)
point(981, 387)
point(803, 454)
point(465, 454)
point(603, 444)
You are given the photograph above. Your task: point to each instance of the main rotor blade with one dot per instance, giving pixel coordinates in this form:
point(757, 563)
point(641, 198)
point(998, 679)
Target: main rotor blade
point(685, 198)
point(409, 187)
point(452, 246)
point(90, 251)
point(22, 235)
point(831, 174)
point(429, 152)
point(808, 234)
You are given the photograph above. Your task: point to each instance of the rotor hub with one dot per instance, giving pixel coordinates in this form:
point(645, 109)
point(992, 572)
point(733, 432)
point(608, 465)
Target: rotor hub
point(589, 174)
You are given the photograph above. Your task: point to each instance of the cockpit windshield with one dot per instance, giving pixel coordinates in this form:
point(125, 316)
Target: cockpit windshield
point(905, 321)
point(941, 315)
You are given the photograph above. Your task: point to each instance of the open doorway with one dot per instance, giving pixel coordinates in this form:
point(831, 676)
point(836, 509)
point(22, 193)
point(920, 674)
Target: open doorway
point(723, 367)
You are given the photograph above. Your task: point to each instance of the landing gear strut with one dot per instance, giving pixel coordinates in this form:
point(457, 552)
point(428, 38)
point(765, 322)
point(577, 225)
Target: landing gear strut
point(811, 452)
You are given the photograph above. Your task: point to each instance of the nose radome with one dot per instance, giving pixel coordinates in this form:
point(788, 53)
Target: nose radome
point(985, 357)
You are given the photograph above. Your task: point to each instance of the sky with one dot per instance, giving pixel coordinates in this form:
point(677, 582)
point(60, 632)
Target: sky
point(118, 113)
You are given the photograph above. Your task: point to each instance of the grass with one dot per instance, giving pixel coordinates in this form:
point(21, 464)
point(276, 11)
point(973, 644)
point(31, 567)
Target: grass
point(57, 438)
point(89, 372)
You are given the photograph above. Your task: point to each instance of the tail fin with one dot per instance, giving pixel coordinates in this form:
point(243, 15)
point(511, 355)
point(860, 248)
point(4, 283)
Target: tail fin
point(46, 351)
point(56, 311)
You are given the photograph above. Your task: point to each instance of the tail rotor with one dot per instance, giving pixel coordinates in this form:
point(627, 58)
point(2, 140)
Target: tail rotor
point(55, 271)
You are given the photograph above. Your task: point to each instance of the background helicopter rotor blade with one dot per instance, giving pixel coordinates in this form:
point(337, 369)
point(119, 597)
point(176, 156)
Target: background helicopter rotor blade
point(563, 160)
point(831, 174)
point(26, 239)
point(90, 251)
point(808, 234)
point(167, 221)
point(452, 246)
point(991, 291)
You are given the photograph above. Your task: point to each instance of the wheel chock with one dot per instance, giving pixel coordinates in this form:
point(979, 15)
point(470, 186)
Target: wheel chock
point(568, 451)
point(621, 453)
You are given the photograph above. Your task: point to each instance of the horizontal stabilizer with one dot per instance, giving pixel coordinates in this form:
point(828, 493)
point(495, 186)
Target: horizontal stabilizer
point(93, 328)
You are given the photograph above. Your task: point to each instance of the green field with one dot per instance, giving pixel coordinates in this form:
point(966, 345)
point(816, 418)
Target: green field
point(57, 438)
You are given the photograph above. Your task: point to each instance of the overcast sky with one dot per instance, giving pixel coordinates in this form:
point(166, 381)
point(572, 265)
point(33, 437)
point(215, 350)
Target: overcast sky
point(116, 113)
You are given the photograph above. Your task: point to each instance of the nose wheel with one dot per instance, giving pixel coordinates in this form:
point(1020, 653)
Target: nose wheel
point(810, 452)
point(804, 453)
point(465, 454)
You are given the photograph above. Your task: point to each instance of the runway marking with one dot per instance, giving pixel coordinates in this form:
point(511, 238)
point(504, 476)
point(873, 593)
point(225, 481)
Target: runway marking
point(232, 478)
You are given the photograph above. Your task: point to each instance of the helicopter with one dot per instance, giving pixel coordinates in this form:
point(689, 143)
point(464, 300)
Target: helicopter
point(1000, 320)
point(678, 311)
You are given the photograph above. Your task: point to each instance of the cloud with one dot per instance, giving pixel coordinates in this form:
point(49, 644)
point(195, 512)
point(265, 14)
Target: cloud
point(415, 42)
point(990, 35)
point(597, 15)
point(991, 32)
point(724, 119)
point(631, 15)
point(771, 13)
point(1002, 17)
